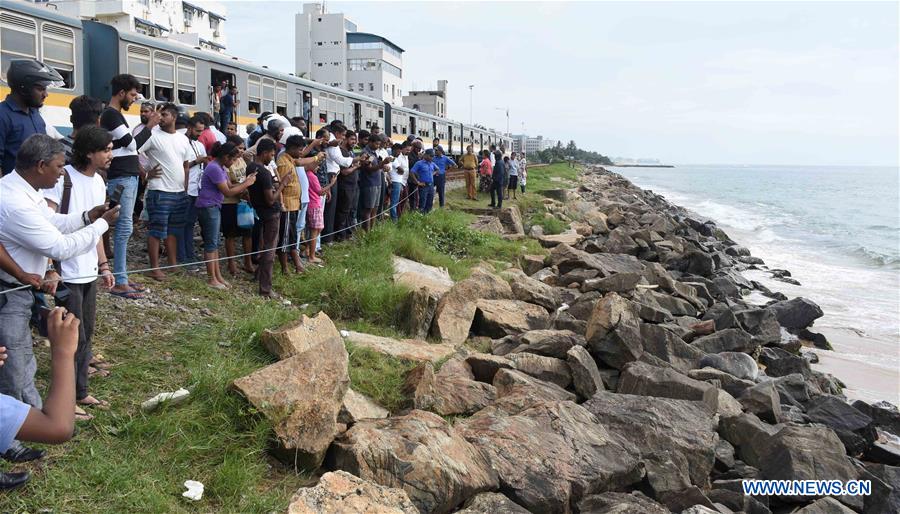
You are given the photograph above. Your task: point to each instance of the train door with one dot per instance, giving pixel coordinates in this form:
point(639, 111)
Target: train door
point(434, 132)
point(450, 140)
point(357, 116)
point(224, 79)
point(412, 126)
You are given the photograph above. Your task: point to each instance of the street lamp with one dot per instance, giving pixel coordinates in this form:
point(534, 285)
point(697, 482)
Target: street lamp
point(471, 86)
point(506, 109)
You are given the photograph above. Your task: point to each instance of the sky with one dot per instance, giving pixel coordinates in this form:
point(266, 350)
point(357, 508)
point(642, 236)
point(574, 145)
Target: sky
point(808, 83)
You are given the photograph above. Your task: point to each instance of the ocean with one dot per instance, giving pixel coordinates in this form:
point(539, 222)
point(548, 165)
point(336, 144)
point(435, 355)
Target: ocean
point(836, 229)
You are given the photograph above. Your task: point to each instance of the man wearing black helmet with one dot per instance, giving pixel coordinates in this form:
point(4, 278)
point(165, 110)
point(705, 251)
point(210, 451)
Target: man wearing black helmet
point(20, 118)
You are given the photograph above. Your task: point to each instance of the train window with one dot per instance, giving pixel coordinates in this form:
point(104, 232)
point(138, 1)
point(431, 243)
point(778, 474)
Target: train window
point(18, 39)
point(281, 98)
point(58, 50)
point(323, 108)
point(253, 94)
point(138, 64)
point(163, 77)
point(187, 81)
point(268, 95)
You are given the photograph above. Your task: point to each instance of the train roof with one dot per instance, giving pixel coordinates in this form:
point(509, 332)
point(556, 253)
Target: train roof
point(43, 10)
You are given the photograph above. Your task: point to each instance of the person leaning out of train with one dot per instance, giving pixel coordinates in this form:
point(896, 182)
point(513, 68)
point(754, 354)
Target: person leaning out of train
point(20, 116)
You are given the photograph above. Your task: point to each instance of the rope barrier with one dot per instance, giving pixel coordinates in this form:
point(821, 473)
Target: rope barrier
point(206, 261)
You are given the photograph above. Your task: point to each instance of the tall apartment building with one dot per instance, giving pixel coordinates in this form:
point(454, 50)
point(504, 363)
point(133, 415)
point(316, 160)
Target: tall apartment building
point(433, 102)
point(199, 23)
point(523, 143)
point(330, 49)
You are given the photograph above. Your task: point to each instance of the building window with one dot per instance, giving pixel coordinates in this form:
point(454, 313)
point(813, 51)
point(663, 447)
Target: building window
point(319, 64)
point(390, 49)
point(163, 77)
point(253, 94)
point(371, 86)
point(214, 25)
point(187, 81)
point(361, 88)
point(319, 43)
point(18, 40)
point(58, 51)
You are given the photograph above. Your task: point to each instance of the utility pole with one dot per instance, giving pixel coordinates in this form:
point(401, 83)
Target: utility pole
point(471, 86)
point(506, 109)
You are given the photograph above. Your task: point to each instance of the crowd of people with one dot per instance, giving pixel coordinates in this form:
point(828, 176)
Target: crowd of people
point(68, 209)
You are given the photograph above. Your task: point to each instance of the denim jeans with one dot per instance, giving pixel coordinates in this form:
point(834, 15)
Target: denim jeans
point(439, 182)
point(17, 373)
point(396, 188)
point(301, 225)
point(210, 222)
point(186, 236)
point(426, 198)
point(124, 225)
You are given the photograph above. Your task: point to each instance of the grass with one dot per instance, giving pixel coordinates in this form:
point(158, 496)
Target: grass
point(188, 335)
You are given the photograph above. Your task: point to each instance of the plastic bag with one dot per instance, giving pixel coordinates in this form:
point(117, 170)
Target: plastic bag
point(246, 216)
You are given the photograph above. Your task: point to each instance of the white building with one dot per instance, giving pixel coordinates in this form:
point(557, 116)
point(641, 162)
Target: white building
point(197, 23)
point(433, 102)
point(331, 50)
point(522, 142)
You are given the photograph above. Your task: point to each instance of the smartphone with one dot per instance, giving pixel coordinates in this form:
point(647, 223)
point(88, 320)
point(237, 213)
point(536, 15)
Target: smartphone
point(116, 195)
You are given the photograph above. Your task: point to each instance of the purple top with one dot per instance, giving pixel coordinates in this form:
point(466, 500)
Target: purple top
point(209, 195)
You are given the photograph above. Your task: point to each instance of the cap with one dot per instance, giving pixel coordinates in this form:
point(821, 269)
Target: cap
point(429, 152)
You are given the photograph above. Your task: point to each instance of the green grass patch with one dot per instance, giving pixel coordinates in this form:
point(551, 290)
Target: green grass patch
point(378, 376)
point(549, 223)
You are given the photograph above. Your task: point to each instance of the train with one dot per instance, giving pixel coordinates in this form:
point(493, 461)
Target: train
point(88, 53)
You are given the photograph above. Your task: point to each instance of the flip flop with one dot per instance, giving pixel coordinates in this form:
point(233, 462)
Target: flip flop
point(99, 404)
point(82, 415)
point(136, 287)
point(128, 295)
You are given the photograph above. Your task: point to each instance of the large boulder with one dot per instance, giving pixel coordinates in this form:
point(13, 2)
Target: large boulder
point(548, 369)
point(855, 429)
point(484, 366)
point(448, 392)
point(550, 456)
point(796, 313)
point(749, 435)
point(665, 345)
point(737, 364)
point(302, 396)
point(567, 258)
point(529, 290)
point(550, 343)
point(358, 406)
point(827, 505)
point(517, 391)
point(511, 219)
point(340, 491)
point(421, 304)
point(728, 340)
point(805, 453)
point(762, 400)
point(733, 385)
point(456, 309)
point(586, 377)
point(491, 503)
point(614, 332)
point(407, 349)
point(644, 379)
point(761, 324)
point(415, 275)
point(779, 363)
point(497, 318)
point(620, 503)
point(300, 336)
point(675, 439)
point(885, 415)
point(419, 453)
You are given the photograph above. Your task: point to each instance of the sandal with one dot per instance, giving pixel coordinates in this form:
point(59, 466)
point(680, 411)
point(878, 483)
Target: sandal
point(92, 371)
point(97, 404)
point(82, 415)
point(128, 295)
point(136, 287)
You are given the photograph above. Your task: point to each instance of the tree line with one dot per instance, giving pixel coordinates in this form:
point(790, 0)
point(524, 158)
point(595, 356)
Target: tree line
point(564, 153)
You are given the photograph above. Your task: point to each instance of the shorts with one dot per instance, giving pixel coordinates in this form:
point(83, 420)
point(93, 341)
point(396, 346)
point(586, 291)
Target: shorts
point(229, 222)
point(166, 212)
point(210, 222)
point(287, 231)
point(315, 217)
point(370, 196)
point(513, 181)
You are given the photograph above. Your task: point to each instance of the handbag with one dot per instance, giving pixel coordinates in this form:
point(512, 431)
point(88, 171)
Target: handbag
point(246, 216)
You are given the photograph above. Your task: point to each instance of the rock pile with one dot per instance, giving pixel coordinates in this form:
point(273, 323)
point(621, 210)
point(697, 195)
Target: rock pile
point(626, 373)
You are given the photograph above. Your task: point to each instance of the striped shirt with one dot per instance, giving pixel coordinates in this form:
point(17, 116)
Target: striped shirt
point(125, 161)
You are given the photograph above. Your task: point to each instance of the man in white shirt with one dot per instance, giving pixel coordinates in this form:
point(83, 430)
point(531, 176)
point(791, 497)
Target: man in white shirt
point(399, 174)
point(91, 153)
point(198, 159)
point(32, 234)
point(334, 161)
point(166, 193)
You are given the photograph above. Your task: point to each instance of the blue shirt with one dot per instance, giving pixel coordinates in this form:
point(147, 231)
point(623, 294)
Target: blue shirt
point(499, 169)
point(512, 168)
point(227, 104)
point(424, 171)
point(16, 125)
point(12, 416)
point(442, 161)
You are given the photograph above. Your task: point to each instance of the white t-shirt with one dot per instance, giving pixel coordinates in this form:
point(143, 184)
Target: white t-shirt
point(170, 151)
point(400, 169)
point(304, 184)
point(197, 170)
point(87, 193)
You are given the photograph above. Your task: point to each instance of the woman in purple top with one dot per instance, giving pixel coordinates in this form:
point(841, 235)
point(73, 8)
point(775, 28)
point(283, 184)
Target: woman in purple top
point(214, 187)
